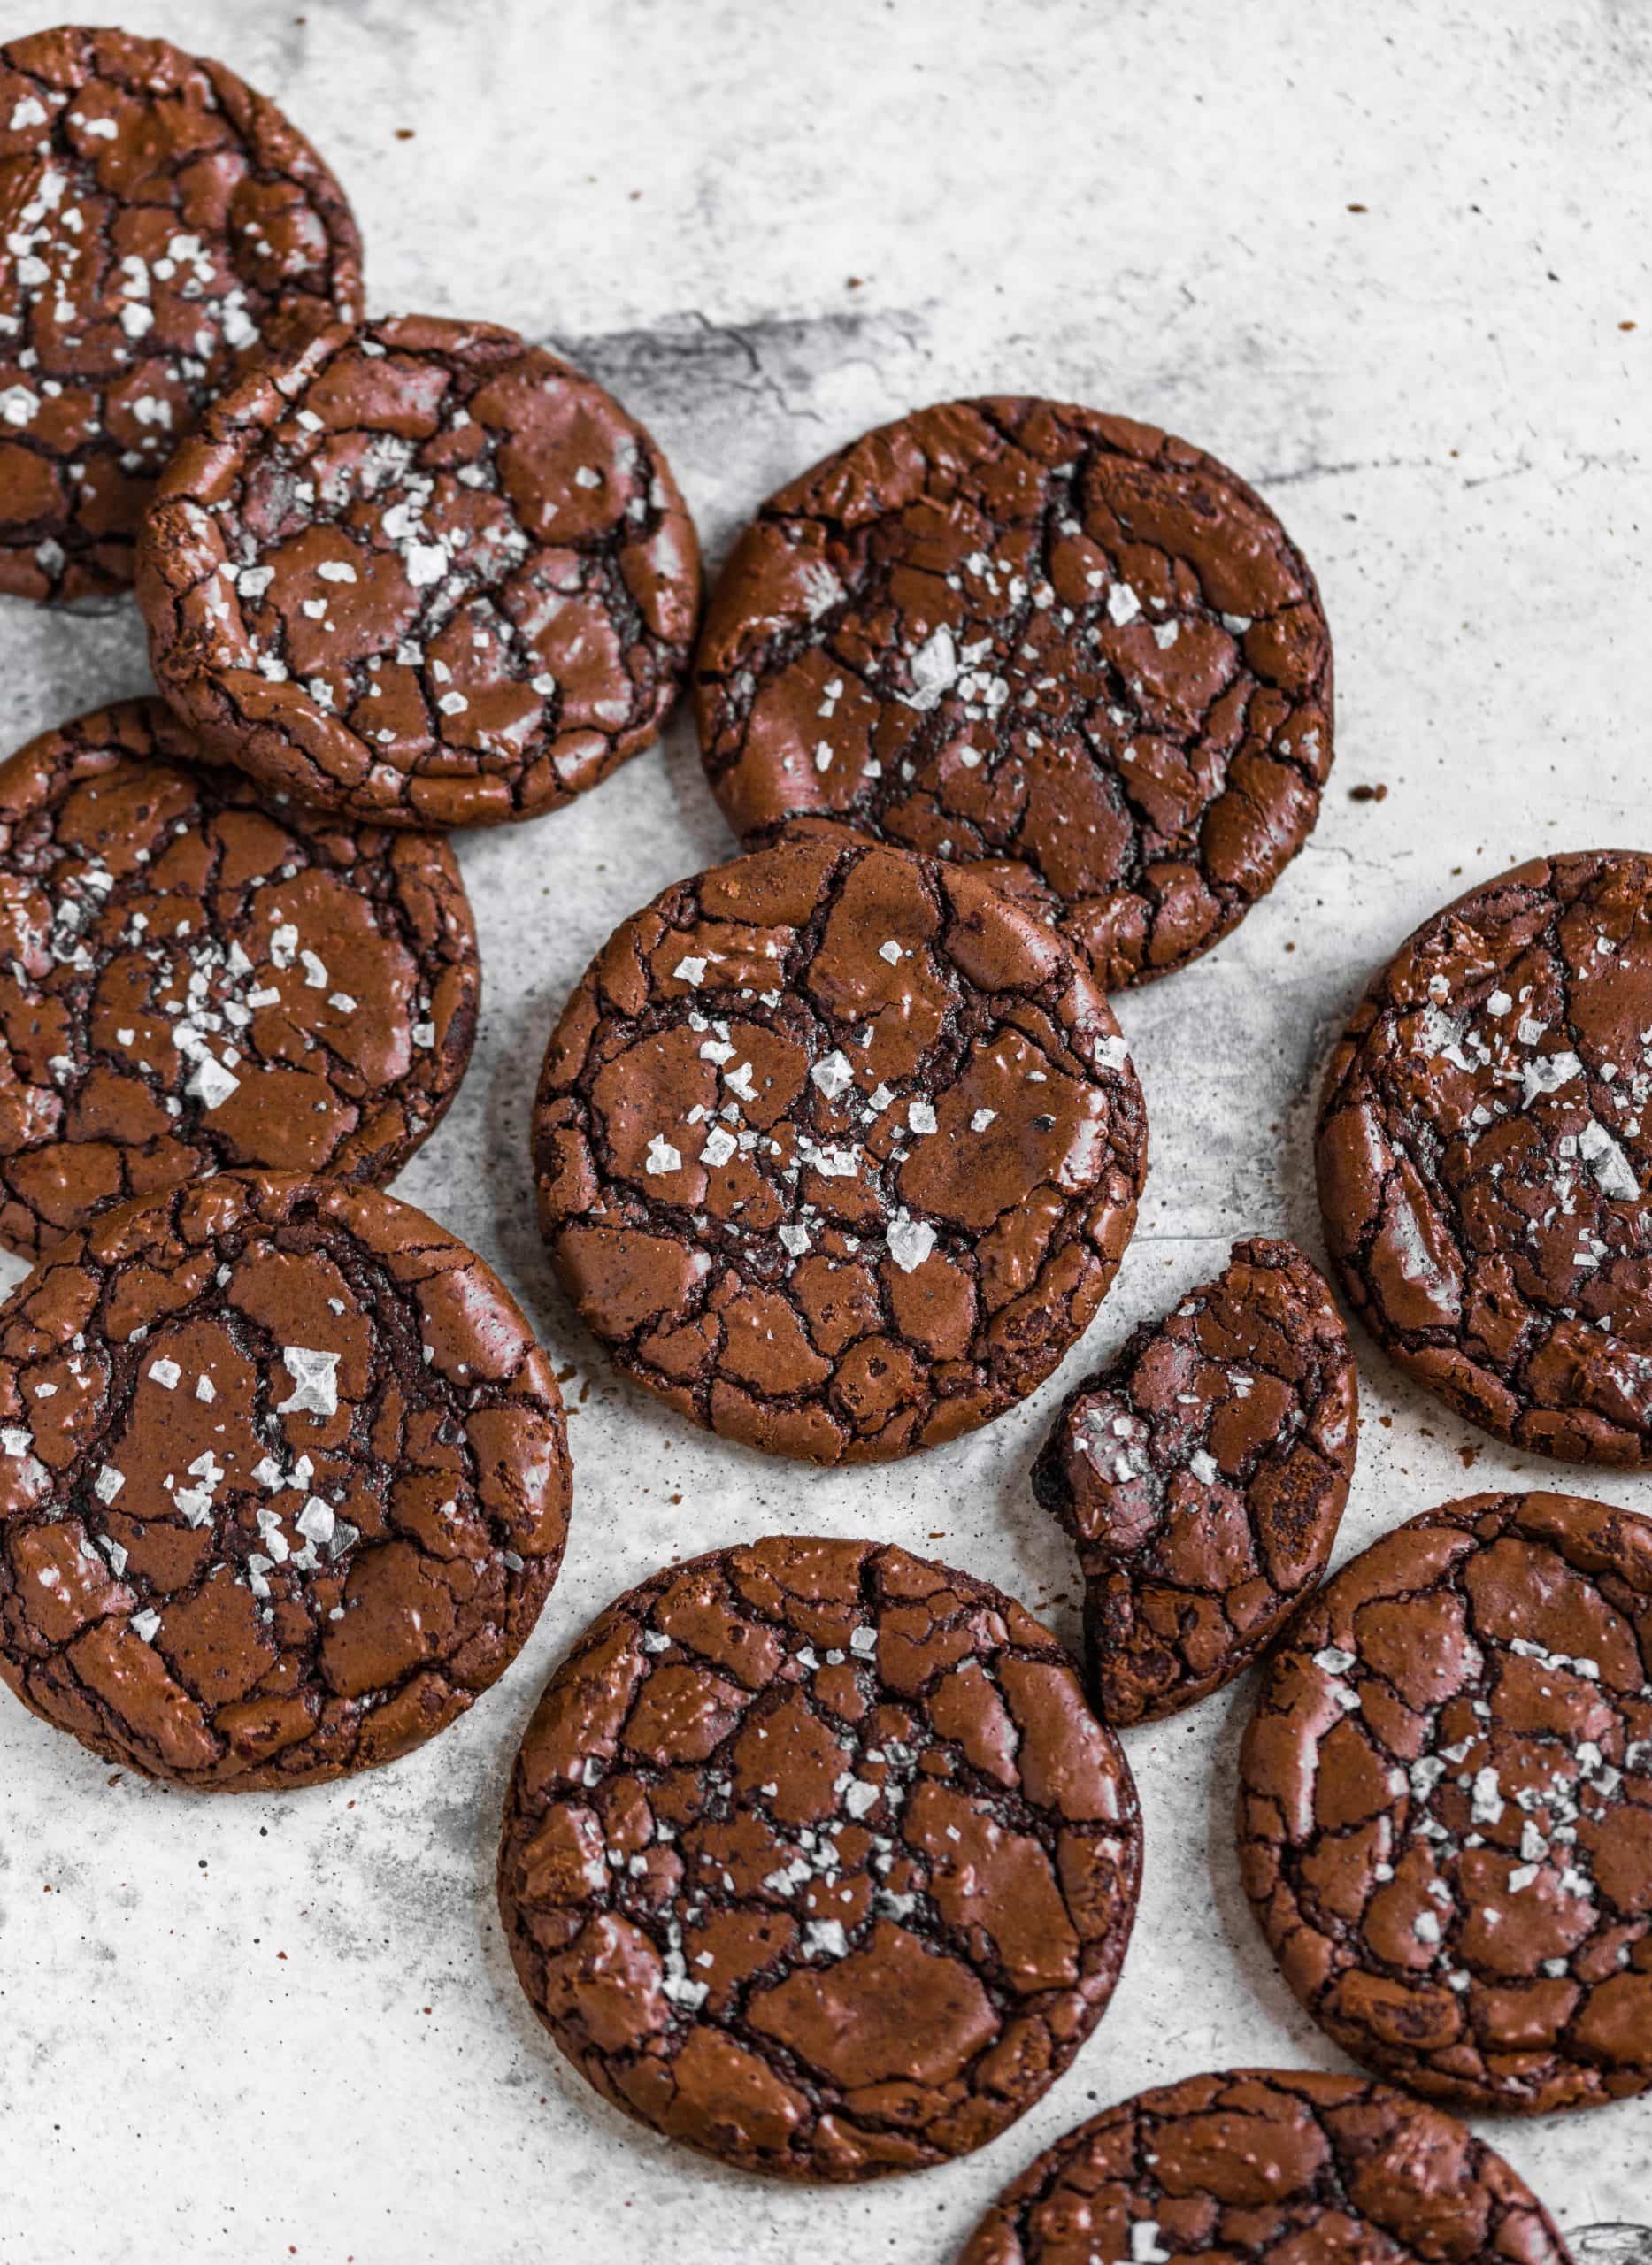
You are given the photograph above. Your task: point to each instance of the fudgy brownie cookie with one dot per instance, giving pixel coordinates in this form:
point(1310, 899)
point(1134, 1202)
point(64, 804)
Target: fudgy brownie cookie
point(191, 978)
point(1061, 644)
point(1203, 1473)
point(421, 573)
point(283, 1482)
point(1446, 1803)
point(815, 1858)
point(162, 222)
point(1484, 1148)
point(837, 1151)
point(1281, 2166)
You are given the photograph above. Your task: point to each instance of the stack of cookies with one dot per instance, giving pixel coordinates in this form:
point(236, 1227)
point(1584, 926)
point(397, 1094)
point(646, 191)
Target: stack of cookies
point(818, 1856)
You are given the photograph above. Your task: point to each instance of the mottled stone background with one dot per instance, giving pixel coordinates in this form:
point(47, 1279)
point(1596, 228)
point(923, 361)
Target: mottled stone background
point(1386, 261)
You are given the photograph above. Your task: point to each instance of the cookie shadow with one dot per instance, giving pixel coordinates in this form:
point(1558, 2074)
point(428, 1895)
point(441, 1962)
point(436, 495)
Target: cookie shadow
point(1388, 1397)
point(541, 2060)
point(1046, 1578)
point(583, 1368)
point(1298, 1186)
point(709, 837)
point(1242, 1938)
point(540, 2064)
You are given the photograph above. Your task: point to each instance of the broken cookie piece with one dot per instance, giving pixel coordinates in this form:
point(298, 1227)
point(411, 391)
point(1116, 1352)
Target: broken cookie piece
point(1203, 1474)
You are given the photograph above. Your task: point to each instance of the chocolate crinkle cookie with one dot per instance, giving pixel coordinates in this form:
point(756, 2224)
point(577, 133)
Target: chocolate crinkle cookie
point(1485, 1150)
point(423, 573)
point(815, 1858)
point(1279, 2167)
point(1062, 645)
point(283, 1482)
point(837, 1150)
point(1203, 1474)
point(1446, 1804)
point(163, 223)
point(191, 977)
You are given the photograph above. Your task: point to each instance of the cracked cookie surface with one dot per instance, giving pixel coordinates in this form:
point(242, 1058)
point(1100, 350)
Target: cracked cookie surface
point(815, 1858)
point(1202, 1474)
point(163, 221)
point(1281, 2166)
point(837, 1151)
point(283, 1482)
point(191, 978)
point(1484, 1147)
point(1446, 1803)
point(421, 573)
point(1060, 644)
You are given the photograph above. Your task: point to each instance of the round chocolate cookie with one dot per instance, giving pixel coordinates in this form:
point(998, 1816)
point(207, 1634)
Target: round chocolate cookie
point(191, 978)
point(283, 1482)
point(1062, 643)
point(837, 1151)
point(1485, 1145)
point(162, 222)
point(815, 1858)
point(1203, 1473)
point(1278, 2166)
point(421, 573)
point(1446, 1803)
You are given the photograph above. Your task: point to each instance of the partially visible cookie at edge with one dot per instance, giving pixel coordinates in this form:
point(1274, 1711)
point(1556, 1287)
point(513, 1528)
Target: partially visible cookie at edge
point(1277, 2166)
point(421, 573)
point(1062, 645)
point(1485, 1155)
point(1445, 1813)
point(284, 1483)
point(163, 222)
point(1202, 1474)
point(194, 976)
point(815, 1858)
point(836, 1150)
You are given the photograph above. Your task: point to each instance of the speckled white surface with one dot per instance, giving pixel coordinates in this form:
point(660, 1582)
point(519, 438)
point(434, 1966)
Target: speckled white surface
point(250, 2030)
